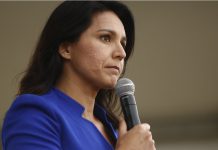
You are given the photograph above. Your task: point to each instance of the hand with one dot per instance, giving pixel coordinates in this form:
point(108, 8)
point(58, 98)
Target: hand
point(137, 138)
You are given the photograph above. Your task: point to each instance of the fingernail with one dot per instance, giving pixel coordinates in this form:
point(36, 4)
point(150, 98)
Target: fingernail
point(148, 126)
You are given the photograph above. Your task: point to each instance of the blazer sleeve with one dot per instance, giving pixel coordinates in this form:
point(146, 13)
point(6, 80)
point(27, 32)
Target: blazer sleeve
point(31, 124)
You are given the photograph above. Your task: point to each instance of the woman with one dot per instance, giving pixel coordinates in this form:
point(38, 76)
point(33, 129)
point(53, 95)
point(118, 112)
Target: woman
point(66, 97)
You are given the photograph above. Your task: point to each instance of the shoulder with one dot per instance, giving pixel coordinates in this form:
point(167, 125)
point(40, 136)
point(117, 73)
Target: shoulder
point(31, 119)
point(30, 99)
point(31, 110)
point(28, 102)
point(30, 106)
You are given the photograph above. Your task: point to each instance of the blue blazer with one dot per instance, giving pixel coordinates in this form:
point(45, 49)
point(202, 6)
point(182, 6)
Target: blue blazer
point(52, 121)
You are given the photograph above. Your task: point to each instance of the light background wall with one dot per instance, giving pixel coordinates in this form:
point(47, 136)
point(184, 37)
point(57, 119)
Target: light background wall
point(174, 67)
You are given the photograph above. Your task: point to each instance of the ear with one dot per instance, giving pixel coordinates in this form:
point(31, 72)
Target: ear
point(64, 50)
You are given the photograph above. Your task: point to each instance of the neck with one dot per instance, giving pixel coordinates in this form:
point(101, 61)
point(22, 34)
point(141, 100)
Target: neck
point(80, 92)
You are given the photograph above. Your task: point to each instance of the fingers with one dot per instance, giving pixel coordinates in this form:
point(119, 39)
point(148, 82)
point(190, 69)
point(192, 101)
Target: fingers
point(146, 126)
point(122, 127)
point(153, 141)
point(148, 133)
point(144, 129)
point(139, 137)
point(141, 129)
point(148, 136)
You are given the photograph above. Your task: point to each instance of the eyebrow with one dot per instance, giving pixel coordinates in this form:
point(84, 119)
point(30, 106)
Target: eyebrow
point(112, 32)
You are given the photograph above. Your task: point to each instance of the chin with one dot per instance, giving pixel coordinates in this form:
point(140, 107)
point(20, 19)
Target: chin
point(107, 82)
point(109, 87)
point(111, 83)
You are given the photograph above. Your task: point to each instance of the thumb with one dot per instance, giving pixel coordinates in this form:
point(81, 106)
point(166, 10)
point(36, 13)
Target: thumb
point(122, 127)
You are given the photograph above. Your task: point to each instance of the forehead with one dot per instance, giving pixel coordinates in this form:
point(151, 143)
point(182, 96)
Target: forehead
point(107, 20)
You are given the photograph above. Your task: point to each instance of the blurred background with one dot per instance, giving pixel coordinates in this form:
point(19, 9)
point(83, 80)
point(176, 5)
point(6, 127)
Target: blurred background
point(174, 67)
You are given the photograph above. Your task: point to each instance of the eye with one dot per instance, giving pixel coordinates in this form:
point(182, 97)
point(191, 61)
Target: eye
point(123, 44)
point(105, 38)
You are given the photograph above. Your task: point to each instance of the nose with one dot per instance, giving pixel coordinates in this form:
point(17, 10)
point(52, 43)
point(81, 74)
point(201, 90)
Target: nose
point(119, 52)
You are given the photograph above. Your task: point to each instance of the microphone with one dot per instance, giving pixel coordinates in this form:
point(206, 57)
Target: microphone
point(125, 89)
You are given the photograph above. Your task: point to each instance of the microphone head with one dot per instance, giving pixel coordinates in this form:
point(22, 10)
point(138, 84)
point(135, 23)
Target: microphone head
point(124, 86)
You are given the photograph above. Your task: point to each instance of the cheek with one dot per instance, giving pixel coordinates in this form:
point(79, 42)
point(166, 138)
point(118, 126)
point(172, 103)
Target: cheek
point(95, 60)
point(122, 65)
point(94, 55)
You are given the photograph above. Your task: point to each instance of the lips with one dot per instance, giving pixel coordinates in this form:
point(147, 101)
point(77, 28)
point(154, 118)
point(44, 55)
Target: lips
point(114, 67)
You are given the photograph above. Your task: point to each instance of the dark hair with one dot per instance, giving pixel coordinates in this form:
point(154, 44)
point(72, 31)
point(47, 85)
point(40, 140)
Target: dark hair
point(67, 22)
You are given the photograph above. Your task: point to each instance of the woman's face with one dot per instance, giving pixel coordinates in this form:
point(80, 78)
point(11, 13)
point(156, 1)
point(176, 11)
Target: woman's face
point(98, 57)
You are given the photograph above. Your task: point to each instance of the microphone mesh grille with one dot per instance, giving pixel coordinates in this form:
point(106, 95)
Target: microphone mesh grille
point(124, 86)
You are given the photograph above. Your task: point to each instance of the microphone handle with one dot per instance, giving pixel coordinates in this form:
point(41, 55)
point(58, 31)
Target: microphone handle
point(130, 110)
